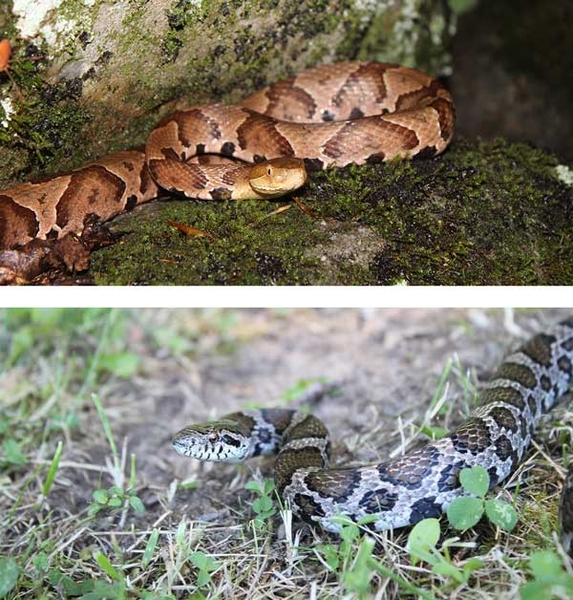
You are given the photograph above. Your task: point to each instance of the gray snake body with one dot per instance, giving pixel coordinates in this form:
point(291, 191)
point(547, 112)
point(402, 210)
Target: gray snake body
point(415, 486)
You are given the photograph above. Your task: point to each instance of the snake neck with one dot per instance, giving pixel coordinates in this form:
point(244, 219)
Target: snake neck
point(301, 440)
point(305, 446)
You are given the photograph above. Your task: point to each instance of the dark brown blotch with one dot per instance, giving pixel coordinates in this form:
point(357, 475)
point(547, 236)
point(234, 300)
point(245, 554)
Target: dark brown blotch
point(131, 202)
point(221, 193)
point(538, 349)
point(567, 345)
point(339, 484)
point(425, 508)
point(290, 102)
point(15, 222)
point(228, 149)
point(175, 176)
point(564, 364)
point(376, 158)
point(98, 188)
point(352, 134)
point(494, 477)
point(170, 154)
point(308, 427)
point(504, 394)
point(417, 97)
point(411, 470)
point(533, 405)
point(356, 113)
point(146, 182)
point(375, 501)
point(190, 122)
point(290, 460)
point(449, 475)
point(313, 164)
point(545, 383)
point(503, 447)
point(308, 508)
point(427, 152)
point(504, 418)
point(472, 437)
point(517, 372)
point(370, 75)
point(446, 117)
point(259, 132)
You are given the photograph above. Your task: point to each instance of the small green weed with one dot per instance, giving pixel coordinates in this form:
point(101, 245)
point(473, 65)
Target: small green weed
point(422, 545)
point(114, 499)
point(52, 471)
point(551, 580)
point(439, 405)
point(466, 511)
point(185, 554)
point(205, 565)
point(9, 572)
point(353, 558)
point(263, 506)
point(118, 496)
point(119, 588)
point(12, 453)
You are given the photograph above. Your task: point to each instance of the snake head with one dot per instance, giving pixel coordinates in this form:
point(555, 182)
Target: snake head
point(277, 176)
point(217, 441)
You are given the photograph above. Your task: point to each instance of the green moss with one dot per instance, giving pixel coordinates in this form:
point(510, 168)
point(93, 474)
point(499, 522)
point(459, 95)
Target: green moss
point(484, 213)
point(47, 119)
point(395, 35)
point(79, 22)
point(250, 247)
point(184, 14)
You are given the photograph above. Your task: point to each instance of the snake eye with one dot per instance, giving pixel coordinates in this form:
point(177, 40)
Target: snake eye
point(269, 171)
point(231, 441)
point(213, 437)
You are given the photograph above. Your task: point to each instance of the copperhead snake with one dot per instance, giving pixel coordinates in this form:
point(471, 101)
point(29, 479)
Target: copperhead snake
point(331, 115)
point(423, 482)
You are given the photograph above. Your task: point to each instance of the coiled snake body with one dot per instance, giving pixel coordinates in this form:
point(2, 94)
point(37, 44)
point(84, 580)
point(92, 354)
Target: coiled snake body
point(421, 483)
point(332, 115)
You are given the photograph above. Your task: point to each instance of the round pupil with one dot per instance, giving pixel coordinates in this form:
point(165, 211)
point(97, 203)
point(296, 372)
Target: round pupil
point(213, 437)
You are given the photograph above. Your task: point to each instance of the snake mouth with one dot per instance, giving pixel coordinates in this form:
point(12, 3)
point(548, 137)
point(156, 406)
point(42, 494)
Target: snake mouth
point(195, 450)
point(183, 447)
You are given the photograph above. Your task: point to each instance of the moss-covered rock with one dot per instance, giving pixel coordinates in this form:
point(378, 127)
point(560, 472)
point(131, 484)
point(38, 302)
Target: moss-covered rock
point(483, 213)
point(95, 76)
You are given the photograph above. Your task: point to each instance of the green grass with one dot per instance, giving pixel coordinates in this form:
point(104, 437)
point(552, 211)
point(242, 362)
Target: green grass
point(92, 498)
